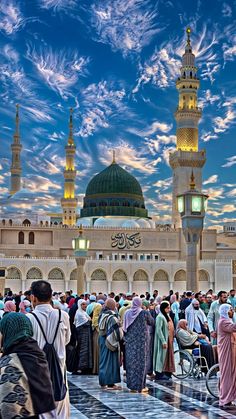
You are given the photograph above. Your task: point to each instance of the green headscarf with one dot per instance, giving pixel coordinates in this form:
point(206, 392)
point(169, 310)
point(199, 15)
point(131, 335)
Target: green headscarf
point(14, 328)
point(145, 303)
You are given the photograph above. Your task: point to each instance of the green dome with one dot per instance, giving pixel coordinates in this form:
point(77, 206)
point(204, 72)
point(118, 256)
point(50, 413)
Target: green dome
point(114, 179)
point(113, 192)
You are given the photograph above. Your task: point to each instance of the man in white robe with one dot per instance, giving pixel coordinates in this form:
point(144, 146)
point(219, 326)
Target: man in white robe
point(48, 317)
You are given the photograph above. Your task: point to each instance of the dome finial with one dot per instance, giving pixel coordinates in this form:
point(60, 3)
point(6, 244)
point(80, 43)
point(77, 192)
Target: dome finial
point(114, 157)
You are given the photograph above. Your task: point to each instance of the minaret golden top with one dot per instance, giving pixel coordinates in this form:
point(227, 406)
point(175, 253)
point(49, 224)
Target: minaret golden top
point(188, 32)
point(192, 181)
point(70, 139)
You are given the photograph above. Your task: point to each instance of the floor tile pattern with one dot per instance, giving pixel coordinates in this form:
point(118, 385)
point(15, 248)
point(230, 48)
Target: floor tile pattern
point(168, 399)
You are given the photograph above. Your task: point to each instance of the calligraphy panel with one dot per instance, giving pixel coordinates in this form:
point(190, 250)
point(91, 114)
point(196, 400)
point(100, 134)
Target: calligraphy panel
point(125, 240)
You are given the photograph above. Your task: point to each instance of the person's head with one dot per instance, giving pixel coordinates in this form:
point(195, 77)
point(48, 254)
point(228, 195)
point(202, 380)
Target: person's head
point(63, 298)
point(10, 293)
point(171, 292)
point(15, 327)
point(101, 302)
point(196, 304)
point(165, 309)
point(129, 296)
point(226, 311)
point(41, 292)
point(136, 303)
point(198, 296)
point(172, 298)
point(25, 306)
point(148, 296)
point(68, 293)
point(209, 298)
point(117, 298)
point(82, 305)
point(145, 304)
point(232, 293)
point(110, 304)
point(155, 293)
point(92, 298)
point(182, 324)
point(9, 306)
point(222, 297)
point(27, 295)
point(112, 295)
point(189, 294)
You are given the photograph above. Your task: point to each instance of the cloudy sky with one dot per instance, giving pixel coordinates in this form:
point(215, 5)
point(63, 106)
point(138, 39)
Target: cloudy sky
point(115, 62)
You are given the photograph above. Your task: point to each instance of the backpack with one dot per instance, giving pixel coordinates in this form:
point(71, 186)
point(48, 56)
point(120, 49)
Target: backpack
point(58, 385)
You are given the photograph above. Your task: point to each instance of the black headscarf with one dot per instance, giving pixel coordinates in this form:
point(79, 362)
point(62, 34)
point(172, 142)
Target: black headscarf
point(164, 305)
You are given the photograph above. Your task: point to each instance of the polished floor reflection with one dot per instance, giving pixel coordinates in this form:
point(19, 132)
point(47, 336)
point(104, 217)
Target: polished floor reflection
point(169, 399)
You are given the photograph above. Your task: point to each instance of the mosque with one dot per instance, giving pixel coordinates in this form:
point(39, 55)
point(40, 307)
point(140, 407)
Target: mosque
point(128, 251)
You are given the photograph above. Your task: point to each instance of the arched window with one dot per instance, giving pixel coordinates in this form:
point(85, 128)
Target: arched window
point(3, 222)
point(191, 74)
point(26, 222)
point(34, 273)
point(56, 273)
point(161, 275)
point(31, 237)
point(13, 273)
point(41, 223)
point(126, 204)
point(203, 275)
point(21, 238)
point(119, 275)
point(140, 275)
point(180, 275)
point(10, 222)
point(115, 203)
point(73, 275)
point(98, 275)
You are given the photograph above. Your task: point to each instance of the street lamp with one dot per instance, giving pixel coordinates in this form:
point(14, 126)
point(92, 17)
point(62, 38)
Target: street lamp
point(192, 206)
point(80, 246)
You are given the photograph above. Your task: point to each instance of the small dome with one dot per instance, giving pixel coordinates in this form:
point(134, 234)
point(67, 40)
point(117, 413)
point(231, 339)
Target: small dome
point(143, 223)
point(130, 224)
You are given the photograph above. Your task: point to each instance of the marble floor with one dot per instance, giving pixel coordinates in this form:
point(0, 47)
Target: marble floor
point(170, 399)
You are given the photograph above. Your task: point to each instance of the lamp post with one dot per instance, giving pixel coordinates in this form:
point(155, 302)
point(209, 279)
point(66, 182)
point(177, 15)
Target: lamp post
point(80, 245)
point(192, 207)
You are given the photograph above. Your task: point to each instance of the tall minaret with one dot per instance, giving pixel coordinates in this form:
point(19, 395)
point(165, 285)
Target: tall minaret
point(69, 202)
point(187, 155)
point(16, 164)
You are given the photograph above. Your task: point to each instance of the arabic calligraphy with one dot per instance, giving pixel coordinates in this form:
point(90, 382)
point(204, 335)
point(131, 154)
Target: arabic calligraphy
point(125, 240)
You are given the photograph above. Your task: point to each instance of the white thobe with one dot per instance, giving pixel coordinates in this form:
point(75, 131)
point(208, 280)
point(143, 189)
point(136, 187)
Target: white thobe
point(48, 317)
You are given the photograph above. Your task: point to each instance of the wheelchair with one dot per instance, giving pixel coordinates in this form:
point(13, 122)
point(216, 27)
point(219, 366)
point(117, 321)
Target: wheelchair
point(189, 363)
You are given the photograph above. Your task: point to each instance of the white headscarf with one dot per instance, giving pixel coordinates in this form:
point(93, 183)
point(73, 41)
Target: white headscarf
point(193, 316)
point(223, 310)
point(81, 317)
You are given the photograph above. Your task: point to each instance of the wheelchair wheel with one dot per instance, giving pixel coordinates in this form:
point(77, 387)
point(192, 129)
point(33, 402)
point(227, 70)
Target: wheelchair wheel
point(183, 364)
point(213, 380)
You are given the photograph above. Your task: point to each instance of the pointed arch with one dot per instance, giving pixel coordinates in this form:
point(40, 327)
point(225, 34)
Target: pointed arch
point(21, 237)
point(34, 273)
point(161, 275)
point(99, 275)
point(140, 275)
point(13, 273)
point(56, 273)
point(180, 275)
point(119, 275)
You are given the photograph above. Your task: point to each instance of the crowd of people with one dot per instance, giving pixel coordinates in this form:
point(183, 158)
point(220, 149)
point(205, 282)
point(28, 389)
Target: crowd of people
point(45, 333)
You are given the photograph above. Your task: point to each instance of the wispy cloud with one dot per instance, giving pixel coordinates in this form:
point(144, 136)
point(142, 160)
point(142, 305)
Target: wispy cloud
point(98, 103)
point(226, 10)
point(161, 68)
point(58, 5)
point(127, 26)
point(11, 18)
point(230, 161)
point(127, 156)
point(211, 179)
point(60, 70)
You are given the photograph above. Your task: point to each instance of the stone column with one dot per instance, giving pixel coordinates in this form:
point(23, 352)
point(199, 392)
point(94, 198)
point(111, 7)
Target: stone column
point(192, 274)
point(108, 287)
point(80, 261)
point(171, 285)
point(88, 286)
point(130, 286)
point(150, 287)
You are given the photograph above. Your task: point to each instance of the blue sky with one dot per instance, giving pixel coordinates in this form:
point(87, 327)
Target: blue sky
point(115, 62)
